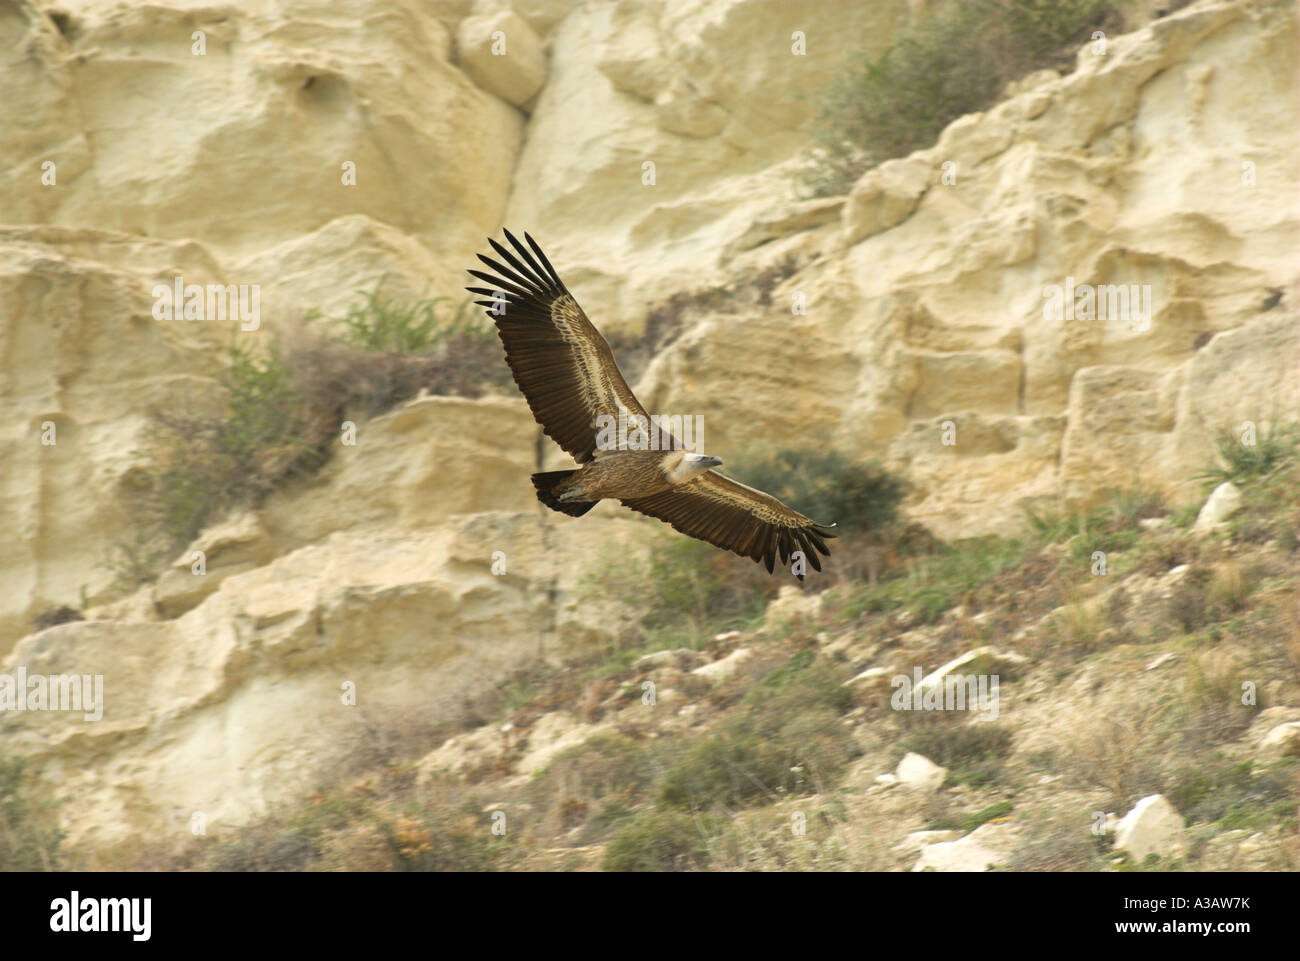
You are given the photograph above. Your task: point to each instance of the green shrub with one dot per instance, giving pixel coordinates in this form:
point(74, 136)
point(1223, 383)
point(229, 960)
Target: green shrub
point(971, 821)
point(1109, 527)
point(382, 325)
point(277, 413)
point(30, 837)
point(1237, 794)
point(939, 580)
point(608, 766)
point(826, 485)
point(661, 841)
point(956, 63)
point(973, 753)
point(1276, 448)
point(440, 837)
point(787, 739)
point(201, 464)
point(682, 592)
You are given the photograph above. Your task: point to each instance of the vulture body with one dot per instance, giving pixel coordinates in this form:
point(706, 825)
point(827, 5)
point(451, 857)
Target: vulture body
point(567, 373)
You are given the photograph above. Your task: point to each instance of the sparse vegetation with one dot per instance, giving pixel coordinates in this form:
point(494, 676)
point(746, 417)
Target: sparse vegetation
point(277, 413)
point(30, 838)
point(973, 752)
point(355, 830)
point(1277, 448)
point(777, 738)
point(827, 485)
point(662, 840)
point(971, 821)
point(689, 591)
point(665, 321)
point(957, 62)
point(53, 616)
point(938, 581)
point(786, 739)
point(204, 464)
point(381, 325)
point(1237, 793)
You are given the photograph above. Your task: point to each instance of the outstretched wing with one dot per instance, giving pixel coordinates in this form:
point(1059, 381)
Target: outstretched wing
point(737, 518)
point(561, 363)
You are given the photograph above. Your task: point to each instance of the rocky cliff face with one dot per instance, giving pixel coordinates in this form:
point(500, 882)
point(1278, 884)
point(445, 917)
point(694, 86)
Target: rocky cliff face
point(310, 149)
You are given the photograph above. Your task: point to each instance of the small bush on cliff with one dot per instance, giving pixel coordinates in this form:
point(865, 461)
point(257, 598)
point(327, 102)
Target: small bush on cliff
point(956, 63)
point(277, 413)
point(380, 324)
point(1273, 450)
point(827, 485)
point(30, 837)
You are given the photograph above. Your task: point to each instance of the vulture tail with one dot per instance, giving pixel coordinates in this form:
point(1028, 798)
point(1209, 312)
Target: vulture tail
point(546, 484)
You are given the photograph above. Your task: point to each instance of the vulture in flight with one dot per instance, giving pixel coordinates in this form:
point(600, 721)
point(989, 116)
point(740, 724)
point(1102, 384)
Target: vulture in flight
point(567, 373)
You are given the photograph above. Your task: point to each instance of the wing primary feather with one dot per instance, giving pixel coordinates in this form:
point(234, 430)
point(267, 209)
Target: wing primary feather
point(546, 263)
point(808, 551)
point(528, 285)
point(503, 285)
point(523, 252)
point(531, 275)
point(817, 541)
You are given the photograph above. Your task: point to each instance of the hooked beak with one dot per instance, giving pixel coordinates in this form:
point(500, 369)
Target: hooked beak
point(712, 461)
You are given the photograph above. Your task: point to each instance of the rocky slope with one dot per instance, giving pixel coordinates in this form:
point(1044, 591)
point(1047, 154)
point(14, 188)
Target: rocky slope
point(1167, 160)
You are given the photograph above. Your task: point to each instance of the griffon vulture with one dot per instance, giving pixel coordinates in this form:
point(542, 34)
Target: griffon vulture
point(567, 373)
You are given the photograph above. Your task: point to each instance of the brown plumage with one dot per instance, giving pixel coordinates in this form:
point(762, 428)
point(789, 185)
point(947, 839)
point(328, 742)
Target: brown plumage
point(568, 375)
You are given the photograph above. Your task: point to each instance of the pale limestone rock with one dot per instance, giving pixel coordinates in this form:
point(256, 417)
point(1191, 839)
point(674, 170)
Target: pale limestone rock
point(725, 667)
point(680, 110)
point(885, 197)
point(414, 467)
point(503, 55)
point(791, 605)
point(1151, 827)
point(985, 847)
point(1115, 174)
point(1223, 502)
point(783, 221)
point(1162, 660)
point(326, 270)
point(917, 840)
point(462, 751)
point(551, 735)
point(277, 82)
point(632, 83)
point(997, 660)
point(62, 506)
point(1282, 741)
point(872, 680)
point(920, 773)
point(1268, 720)
point(682, 658)
point(239, 702)
point(230, 547)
